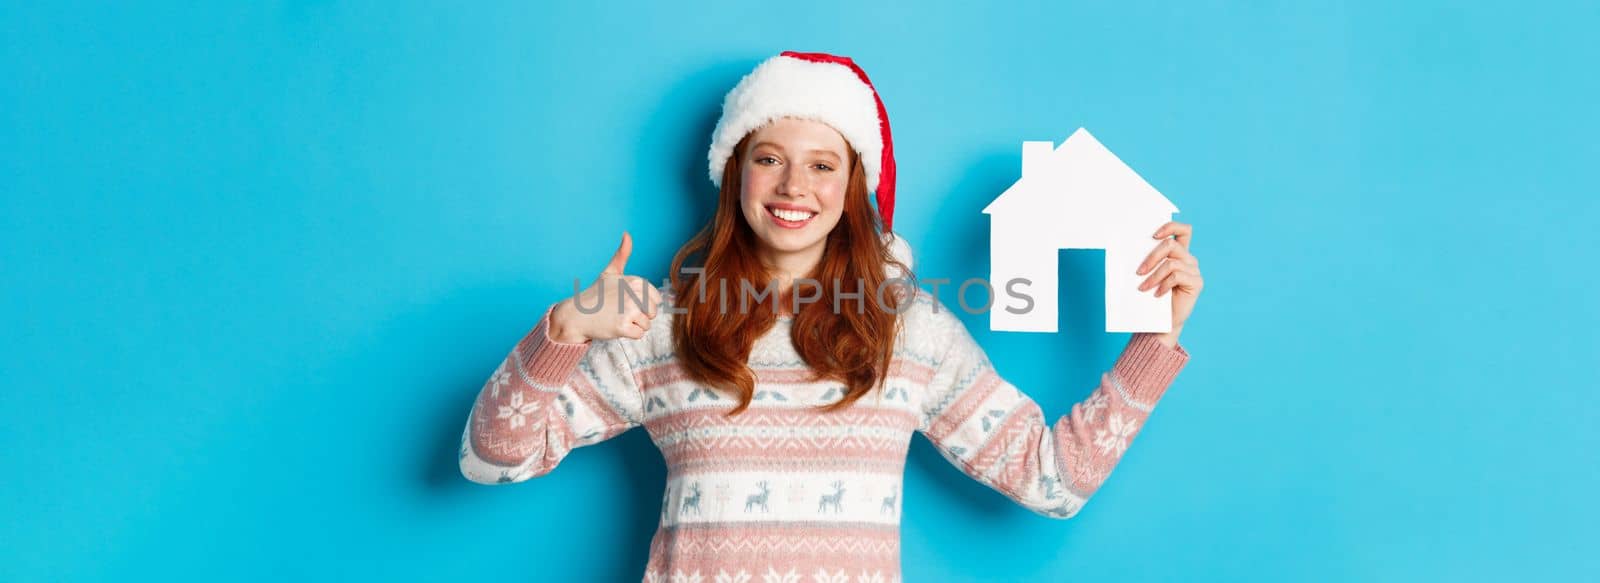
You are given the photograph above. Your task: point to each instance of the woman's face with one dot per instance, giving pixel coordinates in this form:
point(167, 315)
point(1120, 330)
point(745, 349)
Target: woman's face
point(794, 174)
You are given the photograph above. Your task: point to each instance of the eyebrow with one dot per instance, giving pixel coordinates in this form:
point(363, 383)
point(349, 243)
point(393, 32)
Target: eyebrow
point(780, 149)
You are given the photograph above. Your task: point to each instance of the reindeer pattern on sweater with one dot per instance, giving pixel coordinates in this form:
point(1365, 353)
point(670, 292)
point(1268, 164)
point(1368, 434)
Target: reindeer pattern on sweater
point(782, 491)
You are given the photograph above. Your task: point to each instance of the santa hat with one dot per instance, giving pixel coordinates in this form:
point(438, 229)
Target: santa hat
point(820, 87)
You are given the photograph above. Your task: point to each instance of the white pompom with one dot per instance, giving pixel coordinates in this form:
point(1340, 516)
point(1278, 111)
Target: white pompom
point(899, 249)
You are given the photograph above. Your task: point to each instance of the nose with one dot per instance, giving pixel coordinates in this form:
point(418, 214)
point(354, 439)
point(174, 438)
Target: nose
point(794, 184)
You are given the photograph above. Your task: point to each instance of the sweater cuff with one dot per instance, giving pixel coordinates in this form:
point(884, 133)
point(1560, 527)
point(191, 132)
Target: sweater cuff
point(1147, 367)
point(546, 360)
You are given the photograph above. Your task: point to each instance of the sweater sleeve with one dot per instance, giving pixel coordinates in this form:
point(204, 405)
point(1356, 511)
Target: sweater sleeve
point(546, 398)
point(998, 435)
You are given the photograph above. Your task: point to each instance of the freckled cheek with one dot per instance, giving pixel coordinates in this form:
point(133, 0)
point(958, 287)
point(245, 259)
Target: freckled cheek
point(748, 197)
point(833, 200)
point(756, 182)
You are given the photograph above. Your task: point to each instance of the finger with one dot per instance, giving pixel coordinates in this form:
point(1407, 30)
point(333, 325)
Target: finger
point(1180, 280)
point(1162, 250)
point(632, 330)
point(1183, 232)
point(655, 299)
point(640, 321)
point(1169, 267)
point(620, 258)
point(648, 297)
point(1166, 268)
point(1182, 254)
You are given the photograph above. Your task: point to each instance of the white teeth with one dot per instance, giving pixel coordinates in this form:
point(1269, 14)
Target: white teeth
point(789, 215)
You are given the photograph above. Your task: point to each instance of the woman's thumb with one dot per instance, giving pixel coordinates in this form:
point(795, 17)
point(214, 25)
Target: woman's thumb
point(620, 259)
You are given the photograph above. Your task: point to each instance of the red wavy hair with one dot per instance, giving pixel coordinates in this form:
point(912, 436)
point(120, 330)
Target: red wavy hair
point(853, 348)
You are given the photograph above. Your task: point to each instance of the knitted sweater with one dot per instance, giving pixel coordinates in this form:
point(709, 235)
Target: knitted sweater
point(783, 492)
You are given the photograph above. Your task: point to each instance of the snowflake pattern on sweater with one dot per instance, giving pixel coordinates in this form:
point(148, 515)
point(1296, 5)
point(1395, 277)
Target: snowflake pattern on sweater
point(783, 492)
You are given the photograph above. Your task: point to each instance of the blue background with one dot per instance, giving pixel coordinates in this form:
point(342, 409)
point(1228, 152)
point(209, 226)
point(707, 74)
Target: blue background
point(257, 261)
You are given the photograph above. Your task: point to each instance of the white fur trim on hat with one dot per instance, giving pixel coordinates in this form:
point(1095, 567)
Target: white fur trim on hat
point(784, 86)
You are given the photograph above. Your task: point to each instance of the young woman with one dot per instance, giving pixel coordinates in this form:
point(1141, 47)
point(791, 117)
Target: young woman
point(785, 417)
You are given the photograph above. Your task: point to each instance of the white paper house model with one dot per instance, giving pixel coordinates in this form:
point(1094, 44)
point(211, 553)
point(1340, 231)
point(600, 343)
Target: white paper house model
point(1075, 196)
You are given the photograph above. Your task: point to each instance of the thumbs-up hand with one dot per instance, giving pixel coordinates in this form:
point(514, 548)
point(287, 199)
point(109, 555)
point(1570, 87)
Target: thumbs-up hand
point(610, 307)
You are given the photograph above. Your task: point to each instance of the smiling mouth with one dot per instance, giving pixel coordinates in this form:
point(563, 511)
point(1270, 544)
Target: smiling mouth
point(790, 218)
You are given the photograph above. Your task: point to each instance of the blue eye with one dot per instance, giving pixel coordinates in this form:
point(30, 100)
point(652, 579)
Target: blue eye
point(825, 167)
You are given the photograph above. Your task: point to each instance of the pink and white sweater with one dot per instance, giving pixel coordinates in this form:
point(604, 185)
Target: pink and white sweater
point(783, 492)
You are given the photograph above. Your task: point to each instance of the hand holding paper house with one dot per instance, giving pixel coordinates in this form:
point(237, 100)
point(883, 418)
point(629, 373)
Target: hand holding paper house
point(1076, 196)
